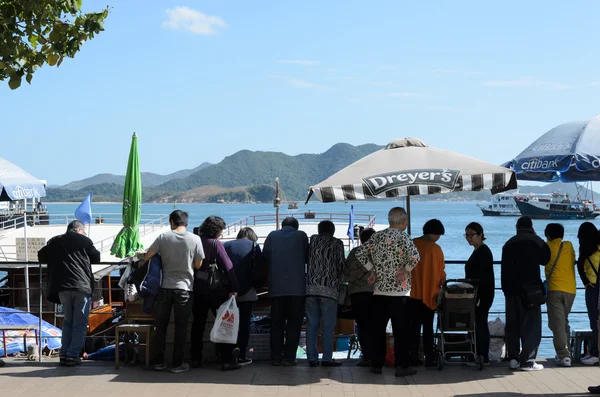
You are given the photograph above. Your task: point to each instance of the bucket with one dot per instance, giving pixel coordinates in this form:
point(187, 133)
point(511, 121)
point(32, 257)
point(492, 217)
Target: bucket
point(342, 344)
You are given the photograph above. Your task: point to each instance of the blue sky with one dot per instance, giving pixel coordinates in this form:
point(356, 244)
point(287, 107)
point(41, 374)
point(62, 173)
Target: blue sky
point(200, 80)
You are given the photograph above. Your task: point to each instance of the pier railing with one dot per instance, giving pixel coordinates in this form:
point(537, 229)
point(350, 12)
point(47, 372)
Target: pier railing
point(366, 220)
point(39, 305)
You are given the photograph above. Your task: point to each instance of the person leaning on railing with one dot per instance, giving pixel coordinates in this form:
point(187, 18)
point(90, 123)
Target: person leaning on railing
point(361, 296)
point(587, 266)
point(560, 276)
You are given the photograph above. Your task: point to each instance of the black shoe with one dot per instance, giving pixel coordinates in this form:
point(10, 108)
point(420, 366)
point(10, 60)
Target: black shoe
point(330, 363)
point(402, 372)
point(416, 362)
point(313, 364)
point(72, 361)
point(287, 363)
point(363, 363)
point(594, 389)
point(243, 361)
point(375, 370)
point(235, 354)
point(230, 367)
point(62, 361)
point(196, 364)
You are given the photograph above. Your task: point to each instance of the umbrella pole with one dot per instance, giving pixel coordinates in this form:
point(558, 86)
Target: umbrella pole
point(408, 214)
point(26, 258)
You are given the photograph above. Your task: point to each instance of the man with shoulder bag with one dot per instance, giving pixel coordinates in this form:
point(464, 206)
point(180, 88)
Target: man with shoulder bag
point(522, 256)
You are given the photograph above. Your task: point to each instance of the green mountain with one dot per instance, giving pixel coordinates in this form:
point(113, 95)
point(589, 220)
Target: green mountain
point(244, 168)
point(149, 179)
point(246, 172)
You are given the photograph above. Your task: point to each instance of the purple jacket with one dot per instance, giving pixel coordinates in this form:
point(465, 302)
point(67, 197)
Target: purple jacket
point(223, 262)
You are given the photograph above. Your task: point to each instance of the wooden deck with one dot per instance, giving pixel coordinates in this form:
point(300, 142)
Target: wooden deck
point(96, 379)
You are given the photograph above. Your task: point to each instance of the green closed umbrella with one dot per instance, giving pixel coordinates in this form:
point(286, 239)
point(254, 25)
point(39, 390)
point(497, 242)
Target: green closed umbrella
point(128, 242)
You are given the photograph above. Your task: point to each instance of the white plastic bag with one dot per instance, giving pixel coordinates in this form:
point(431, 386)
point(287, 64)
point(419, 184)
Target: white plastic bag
point(124, 277)
point(227, 323)
point(496, 339)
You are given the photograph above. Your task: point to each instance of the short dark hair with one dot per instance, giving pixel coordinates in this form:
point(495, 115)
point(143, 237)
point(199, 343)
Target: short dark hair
point(477, 228)
point(366, 234)
point(290, 221)
point(212, 227)
point(326, 227)
point(434, 226)
point(196, 230)
point(524, 222)
point(179, 218)
point(554, 231)
point(74, 226)
point(248, 234)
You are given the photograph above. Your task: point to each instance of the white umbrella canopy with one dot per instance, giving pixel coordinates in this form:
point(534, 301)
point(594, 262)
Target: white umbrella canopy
point(408, 167)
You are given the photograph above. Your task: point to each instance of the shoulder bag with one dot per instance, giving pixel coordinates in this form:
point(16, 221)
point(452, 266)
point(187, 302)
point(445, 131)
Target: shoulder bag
point(216, 280)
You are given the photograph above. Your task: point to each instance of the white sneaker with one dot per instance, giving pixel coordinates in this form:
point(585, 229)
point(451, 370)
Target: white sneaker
point(564, 362)
point(532, 366)
point(585, 357)
point(513, 364)
point(591, 360)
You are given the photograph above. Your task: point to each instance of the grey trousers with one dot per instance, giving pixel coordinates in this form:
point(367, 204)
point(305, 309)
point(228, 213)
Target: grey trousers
point(559, 306)
point(523, 330)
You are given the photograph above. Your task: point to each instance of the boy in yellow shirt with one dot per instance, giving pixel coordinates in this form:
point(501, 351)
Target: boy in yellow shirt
point(560, 276)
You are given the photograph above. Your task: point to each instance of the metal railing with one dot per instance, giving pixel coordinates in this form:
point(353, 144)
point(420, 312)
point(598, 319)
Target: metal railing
point(116, 304)
point(144, 228)
point(367, 220)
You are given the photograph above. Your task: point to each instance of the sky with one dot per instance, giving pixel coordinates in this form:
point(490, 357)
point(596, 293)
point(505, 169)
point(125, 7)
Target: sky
point(201, 80)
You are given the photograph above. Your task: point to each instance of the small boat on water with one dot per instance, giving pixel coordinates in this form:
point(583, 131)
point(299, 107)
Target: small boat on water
point(502, 204)
point(293, 205)
point(557, 206)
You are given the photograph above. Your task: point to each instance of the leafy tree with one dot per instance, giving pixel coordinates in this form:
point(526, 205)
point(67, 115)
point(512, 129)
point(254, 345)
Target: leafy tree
point(35, 32)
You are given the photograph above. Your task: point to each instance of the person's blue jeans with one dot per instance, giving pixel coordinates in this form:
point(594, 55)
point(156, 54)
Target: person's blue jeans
point(591, 302)
point(76, 309)
point(320, 311)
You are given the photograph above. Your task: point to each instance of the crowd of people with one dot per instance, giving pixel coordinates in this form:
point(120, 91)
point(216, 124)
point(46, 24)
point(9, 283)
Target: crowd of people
point(389, 277)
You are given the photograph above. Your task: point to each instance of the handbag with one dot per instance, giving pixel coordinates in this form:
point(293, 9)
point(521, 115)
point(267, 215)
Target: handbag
point(258, 269)
point(533, 295)
point(216, 280)
point(547, 281)
point(345, 310)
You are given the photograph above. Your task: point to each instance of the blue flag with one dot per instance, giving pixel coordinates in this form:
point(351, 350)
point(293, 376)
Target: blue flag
point(350, 231)
point(84, 212)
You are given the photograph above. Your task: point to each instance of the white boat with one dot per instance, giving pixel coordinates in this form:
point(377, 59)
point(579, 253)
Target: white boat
point(502, 204)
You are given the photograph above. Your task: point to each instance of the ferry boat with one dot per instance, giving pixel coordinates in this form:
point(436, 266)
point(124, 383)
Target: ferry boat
point(502, 204)
point(293, 205)
point(557, 206)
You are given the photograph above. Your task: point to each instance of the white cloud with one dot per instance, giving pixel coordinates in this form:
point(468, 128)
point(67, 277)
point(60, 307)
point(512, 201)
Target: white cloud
point(303, 84)
point(186, 19)
point(404, 94)
point(302, 62)
point(527, 82)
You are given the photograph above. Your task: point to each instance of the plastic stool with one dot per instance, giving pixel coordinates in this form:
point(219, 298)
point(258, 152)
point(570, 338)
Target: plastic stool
point(578, 339)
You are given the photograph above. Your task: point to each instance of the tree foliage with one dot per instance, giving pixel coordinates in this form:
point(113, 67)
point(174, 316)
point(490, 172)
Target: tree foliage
point(36, 32)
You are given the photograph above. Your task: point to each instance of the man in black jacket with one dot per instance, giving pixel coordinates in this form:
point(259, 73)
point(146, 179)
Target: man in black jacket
point(70, 282)
point(522, 257)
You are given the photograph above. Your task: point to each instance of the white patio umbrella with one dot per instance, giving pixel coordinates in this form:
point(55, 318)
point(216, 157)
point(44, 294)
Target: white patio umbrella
point(408, 167)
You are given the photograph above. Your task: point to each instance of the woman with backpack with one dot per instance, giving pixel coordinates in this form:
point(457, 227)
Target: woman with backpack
point(249, 266)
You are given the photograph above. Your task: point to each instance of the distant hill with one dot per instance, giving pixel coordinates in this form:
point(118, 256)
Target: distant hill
point(296, 173)
point(149, 179)
point(243, 176)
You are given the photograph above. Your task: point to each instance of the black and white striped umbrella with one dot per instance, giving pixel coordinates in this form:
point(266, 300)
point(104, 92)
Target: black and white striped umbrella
point(408, 167)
